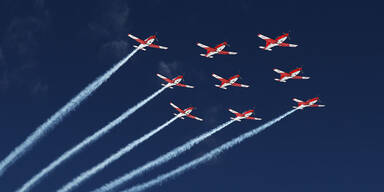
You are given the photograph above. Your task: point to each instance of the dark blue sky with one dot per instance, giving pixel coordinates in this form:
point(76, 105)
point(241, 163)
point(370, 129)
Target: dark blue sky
point(50, 50)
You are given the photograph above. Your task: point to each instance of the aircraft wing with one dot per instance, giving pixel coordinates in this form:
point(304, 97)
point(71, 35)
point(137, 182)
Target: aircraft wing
point(227, 53)
point(263, 37)
point(253, 118)
point(157, 46)
point(234, 112)
point(297, 100)
point(239, 85)
point(278, 71)
point(136, 39)
point(202, 46)
point(164, 78)
point(300, 77)
point(178, 109)
point(287, 45)
point(183, 85)
point(194, 117)
point(218, 77)
point(315, 105)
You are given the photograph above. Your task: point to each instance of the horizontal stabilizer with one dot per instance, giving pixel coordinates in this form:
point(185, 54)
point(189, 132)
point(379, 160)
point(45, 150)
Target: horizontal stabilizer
point(219, 86)
point(280, 80)
point(167, 85)
point(261, 47)
point(236, 119)
point(141, 48)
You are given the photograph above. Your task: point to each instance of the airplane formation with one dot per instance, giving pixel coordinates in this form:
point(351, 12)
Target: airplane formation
point(219, 49)
point(169, 83)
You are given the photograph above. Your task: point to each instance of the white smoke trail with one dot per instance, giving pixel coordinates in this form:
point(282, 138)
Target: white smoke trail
point(89, 140)
point(208, 156)
point(49, 124)
point(89, 173)
point(162, 159)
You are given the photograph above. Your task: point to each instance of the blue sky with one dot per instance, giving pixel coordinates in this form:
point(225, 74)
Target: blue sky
point(50, 50)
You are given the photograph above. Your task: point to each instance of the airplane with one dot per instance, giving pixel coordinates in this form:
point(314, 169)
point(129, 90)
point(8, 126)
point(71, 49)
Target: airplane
point(216, 50)
point(173, 82)
point(291, 75)
point(148, 42)
point(244, 115)
point(309, 103)
point(275, 42)
point(186, 112)
point(231, 81)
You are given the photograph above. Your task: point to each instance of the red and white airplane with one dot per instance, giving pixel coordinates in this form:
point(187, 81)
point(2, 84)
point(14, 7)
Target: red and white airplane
point(185, 112)
point(244, 115)
point(291, 75)
point(216, 50)
point(269, 43)
point(228, 82)
point(309, 103)
point(174, 82)
point(148, 42)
